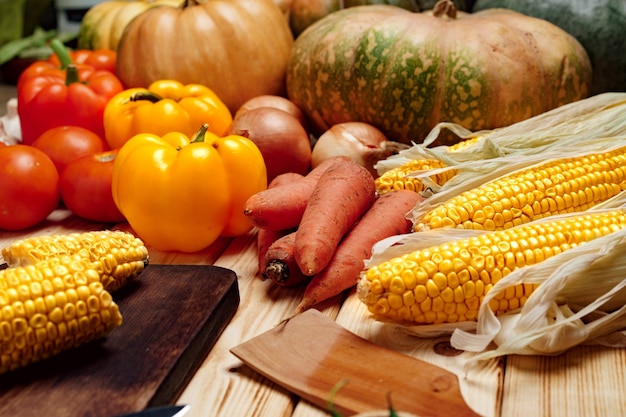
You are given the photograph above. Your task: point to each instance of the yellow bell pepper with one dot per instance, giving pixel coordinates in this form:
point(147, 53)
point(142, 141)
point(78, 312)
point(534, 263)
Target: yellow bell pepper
point(165, 106)
point(180, 193)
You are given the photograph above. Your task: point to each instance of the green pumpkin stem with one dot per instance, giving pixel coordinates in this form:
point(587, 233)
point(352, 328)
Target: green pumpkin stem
point(145, 95)
point(199, 136)
point(445, 8)
point(61, 52)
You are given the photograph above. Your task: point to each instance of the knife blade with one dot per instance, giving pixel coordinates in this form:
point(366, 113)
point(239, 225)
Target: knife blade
point(162, 411)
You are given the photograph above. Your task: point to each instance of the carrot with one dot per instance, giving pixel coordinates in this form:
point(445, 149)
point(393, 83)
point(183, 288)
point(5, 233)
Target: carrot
point(344, 192)
point(265, 237)
point(281, 266)
point(281, 208)
point(386, 217)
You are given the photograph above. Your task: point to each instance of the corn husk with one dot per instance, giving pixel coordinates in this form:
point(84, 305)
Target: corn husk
point(581, 299)
point(569, 128)
point(476, 173)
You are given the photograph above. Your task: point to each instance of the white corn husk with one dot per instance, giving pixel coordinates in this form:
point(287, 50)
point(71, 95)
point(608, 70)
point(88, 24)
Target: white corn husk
point(581, 299)
point(571, 127)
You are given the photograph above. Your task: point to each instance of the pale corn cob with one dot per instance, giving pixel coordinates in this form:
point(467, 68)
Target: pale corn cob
point(397, 179)
point(559, 186)
point(50, 307)
point(464, 144)
point(447, 283)
point(117, 256)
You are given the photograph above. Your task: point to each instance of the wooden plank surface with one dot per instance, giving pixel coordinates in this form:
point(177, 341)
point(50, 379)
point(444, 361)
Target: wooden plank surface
point(173, 314)
point(584, 382)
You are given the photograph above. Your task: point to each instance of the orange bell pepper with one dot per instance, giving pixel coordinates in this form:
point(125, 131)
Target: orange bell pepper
point(165, 106)
point(182, 194)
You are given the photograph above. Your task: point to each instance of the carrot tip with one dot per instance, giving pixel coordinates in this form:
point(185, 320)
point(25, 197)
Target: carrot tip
point(302, 307)
point(276, 270)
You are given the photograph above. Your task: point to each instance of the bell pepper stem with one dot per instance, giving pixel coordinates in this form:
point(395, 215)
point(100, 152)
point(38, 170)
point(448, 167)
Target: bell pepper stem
point(61, 52)
point(199, 136)
point(71, 74)
point(146, 95)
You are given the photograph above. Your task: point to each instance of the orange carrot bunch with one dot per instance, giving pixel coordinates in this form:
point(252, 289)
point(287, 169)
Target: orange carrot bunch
point(320, 228)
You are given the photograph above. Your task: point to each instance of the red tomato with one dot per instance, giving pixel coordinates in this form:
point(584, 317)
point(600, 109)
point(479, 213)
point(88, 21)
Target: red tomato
point(63, 144)
point(86, 187)
point(29, 187)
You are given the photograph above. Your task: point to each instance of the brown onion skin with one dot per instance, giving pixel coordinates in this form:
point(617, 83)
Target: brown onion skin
point(361, 142)
point(281, 138)
point(278, 102)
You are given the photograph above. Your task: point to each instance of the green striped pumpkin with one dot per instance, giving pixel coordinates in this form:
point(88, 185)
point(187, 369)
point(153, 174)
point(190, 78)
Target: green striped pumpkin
point(404, 72)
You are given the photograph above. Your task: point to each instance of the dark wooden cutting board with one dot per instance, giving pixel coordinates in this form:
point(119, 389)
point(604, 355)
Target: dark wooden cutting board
point(173, 314)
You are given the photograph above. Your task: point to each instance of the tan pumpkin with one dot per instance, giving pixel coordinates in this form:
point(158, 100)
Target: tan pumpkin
point(304, 13)
point(103, 24)
point(238, 48)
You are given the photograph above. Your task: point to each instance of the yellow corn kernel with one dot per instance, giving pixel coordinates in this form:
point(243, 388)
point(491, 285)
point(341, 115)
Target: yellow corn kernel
point(464, 144)
point(42, 325)
point(461, 272)
point(533, 193)
point(117, 256)
point(398, 179)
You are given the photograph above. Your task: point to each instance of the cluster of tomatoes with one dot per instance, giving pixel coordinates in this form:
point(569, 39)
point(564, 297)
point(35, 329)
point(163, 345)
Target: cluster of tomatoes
point(66, 166)
point(63, 159)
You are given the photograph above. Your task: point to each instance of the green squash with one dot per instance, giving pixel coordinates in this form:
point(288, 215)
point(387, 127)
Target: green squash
point(599, 25)
point(404, 72)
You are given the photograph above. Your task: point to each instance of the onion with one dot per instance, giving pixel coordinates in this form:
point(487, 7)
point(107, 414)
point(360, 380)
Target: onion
point(361, 142)
point(281, 138)
point(278, 102)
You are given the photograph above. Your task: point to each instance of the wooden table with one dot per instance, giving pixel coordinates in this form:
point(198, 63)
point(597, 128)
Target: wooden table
point(586, 381)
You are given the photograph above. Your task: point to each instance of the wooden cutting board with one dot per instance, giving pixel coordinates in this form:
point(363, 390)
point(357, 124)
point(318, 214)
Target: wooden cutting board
point(310, 355)
point(173, 314)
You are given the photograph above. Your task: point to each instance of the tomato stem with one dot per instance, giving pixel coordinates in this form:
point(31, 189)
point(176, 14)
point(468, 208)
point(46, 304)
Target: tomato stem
point(61, 52)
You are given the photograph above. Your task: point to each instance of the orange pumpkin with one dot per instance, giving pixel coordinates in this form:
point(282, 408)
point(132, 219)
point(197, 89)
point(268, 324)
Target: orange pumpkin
point(237, 48)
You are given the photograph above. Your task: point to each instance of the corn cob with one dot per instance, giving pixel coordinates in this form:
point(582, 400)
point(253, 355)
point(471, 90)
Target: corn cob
point(447, 283)
point(49, 307)
point(397, 179)
point(556, 187)
point(465, 143)
point(117, 256)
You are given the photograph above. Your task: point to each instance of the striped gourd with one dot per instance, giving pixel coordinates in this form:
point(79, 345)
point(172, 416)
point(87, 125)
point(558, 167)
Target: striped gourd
point(558, 186)
point(405, 72)
point(447, 282)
